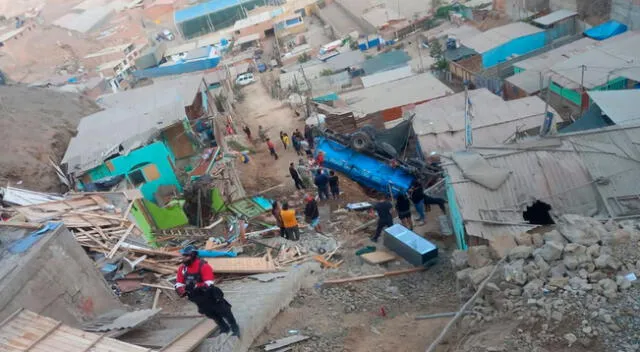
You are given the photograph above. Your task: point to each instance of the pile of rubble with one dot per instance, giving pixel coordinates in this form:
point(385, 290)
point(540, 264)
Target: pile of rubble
point(582, 272)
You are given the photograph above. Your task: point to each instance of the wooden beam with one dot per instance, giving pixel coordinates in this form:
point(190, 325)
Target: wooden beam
point(192, 337)
point(156, 298)
point(22, 225)
point(375, 276)
point(157, 286)
point(43, 336)
point(124, 237)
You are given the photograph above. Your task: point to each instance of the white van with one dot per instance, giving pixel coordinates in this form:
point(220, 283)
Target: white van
point(245, 78)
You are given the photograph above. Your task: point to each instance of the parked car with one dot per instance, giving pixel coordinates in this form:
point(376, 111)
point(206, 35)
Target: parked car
point(165, 34)
point(245, 78)
point(261, 67)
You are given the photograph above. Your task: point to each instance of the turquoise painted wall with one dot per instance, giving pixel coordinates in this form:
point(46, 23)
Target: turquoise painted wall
point(519, 46)
point(156, 153)
point(454, 215)
point(575, 97)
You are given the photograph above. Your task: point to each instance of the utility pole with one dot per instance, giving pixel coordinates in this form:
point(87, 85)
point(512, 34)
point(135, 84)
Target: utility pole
point(468, 133)
point(584, 68)
point(415, 18)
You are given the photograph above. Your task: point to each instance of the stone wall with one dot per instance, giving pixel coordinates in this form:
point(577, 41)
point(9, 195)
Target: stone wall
point(55, 278)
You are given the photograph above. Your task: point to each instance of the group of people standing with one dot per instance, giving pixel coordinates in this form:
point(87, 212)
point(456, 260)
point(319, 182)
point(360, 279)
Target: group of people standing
point(301, 142)
point(403, 201)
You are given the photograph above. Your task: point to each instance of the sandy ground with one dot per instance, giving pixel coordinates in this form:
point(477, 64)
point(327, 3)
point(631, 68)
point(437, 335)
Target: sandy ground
point(34, 125)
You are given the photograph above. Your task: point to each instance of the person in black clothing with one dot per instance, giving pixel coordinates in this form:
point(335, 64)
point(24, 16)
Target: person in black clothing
point(403, 207)
point(428, 201)
point(322, 182)
point(334, 184)
point(312, 213)
point(296, 177)
point(385, 219)
point(417, 198)
point(211, 303)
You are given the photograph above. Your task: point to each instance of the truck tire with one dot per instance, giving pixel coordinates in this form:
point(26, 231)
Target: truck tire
point(388, 149)
point(360, 141)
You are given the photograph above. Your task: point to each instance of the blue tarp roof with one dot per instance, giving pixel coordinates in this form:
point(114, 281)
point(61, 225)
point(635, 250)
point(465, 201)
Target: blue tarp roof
point(606, 30)
point(203, 9)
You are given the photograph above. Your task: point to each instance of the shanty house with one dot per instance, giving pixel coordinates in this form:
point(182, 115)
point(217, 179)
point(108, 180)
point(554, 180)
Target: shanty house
point(141, 134)
point(392, 100)
point(510, 189)
point(440, 124)
point(558, 24)
point(498, 45)
point(531, 75)
point(612, 66)
point(608, 108)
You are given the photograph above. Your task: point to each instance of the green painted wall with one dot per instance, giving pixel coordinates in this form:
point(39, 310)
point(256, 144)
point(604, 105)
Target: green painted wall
point(143, 224)
point(168, 217)
point(576, 98)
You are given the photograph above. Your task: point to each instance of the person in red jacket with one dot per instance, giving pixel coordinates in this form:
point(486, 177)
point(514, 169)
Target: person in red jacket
point(195, 279)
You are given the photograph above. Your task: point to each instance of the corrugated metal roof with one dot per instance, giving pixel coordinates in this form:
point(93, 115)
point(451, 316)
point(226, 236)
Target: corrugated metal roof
point(252, 20)
point(580, 175)
point(29, 331)
point(379, 16)
point(386, 76)
point(616, 57)
point(248, 38)
point(122, 321)
point(440, 123)
point(495, 37)
point(131, 118)
point(346, 59)
point(385, 61)
point(548, 59)
point(554, 17)
point(618, 105)
point(402, 92)
point(18, 196)
point(530, 82)
point(179, 49)
point(462, 32)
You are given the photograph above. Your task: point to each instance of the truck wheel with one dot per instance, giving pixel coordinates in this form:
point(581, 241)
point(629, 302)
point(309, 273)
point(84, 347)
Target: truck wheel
point(360, 141)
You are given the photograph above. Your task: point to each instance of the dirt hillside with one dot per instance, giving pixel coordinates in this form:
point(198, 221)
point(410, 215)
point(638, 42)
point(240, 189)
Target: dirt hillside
point(35, 124)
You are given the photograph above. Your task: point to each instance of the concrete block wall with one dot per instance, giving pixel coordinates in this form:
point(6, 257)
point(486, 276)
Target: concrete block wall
point(627, 12)
point(55, 278)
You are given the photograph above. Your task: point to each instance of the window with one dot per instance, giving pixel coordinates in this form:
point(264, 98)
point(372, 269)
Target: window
point(136, 177)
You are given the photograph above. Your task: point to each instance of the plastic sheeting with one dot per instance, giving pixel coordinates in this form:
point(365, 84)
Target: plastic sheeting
point(363, 169)
point(606, 30)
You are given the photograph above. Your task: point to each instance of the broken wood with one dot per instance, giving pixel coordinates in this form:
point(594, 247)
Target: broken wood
point(464, 308)
point(365, 225)
point(378, 257)
point(320, 259)
point(156, 298)
point(158, 286)
point(124, 237)
point(22, 225)
point(375, 276)
point(284, 342)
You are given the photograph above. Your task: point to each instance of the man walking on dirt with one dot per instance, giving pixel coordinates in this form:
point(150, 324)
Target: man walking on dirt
point(296, 177)
point(194, 279)
point(385, 219)
point(272, 148)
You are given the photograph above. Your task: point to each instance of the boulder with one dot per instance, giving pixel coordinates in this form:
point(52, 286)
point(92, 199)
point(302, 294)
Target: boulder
point(479, 256)
point(554, 236)
point(537, 240)
point(558, 271)
point(596, 276)
point(524, 239)
point(501, 245)
point(459, 259)
point(593, 251)
point(533, 289)
point(606, 261)
point(609, 288)
point(478, 275)
point(579, 229)
point(559, 282)
point(551, 251)
point(575, 255)
point(514, 272)
point(542, 265)
point(520, 252)
point(577, 283)
point(570, 338)
point(617, 237)
point(622, 282)
point(463, 275)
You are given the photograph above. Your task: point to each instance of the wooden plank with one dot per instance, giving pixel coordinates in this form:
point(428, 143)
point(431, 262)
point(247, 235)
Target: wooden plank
point(124, 237)
point(320, 259)
point(191, 338)
point(157, 286)
point(378, 257)
point(284, 342)
point(21, 225)
point(10, 317)
point(156, 298)
point(49, 332)
point(375, 276)
point(241, 265)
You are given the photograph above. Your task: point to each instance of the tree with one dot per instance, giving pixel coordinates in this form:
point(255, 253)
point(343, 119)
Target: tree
point(435, 49)
point(304, 58)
